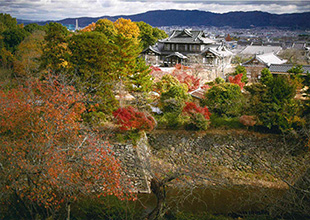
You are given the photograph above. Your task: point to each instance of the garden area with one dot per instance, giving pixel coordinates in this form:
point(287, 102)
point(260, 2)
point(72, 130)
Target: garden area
point(83, 117)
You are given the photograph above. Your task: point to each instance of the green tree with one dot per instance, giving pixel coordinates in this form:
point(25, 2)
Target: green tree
point(92, 63)
point(146, 34)
point(7, 22)
point(266, 76)
point(224, 99)
point(141, 80)
point(13, 37)
point(106, 27)
point(55, 52)
point(123, 52)
point(241, 69)
point(35, 27)
point(149, 35)
point(274, 104)
point(159, 34)
point(172, 101)
point(296, 69)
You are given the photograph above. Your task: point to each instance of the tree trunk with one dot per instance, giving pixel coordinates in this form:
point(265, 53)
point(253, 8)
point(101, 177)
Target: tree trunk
point(158, 189)
point(69, 210)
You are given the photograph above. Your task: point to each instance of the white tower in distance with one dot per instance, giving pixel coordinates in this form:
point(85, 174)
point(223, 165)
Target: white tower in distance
point(76, 24)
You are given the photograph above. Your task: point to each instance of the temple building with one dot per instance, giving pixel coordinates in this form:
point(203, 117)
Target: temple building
point(188, 47)
point(255, 65)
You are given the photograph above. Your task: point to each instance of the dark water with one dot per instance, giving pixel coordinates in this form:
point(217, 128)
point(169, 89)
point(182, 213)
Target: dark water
point(218, 200)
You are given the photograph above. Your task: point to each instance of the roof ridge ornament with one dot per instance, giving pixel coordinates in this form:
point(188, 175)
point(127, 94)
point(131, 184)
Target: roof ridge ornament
point(188, 32)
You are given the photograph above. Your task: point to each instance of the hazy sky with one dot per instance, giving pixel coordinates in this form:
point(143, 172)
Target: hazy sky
point(58, 9)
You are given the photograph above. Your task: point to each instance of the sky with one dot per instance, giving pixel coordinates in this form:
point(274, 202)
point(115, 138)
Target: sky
point(58, 9)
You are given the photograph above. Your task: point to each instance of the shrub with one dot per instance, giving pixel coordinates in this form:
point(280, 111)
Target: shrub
point(241, 69)
point(172, 120)
point(266, 76)
point(224, 99)
point(225, 122)
point(166, 82)
point(219, 80)
point(192, 82)
point(191, 108)
point(131, 119)
point(247, 120)
point(237, 80)
point(198, 116)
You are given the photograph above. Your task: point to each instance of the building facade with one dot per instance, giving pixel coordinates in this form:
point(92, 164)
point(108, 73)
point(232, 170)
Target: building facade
point(188, 47)
point(255, 65)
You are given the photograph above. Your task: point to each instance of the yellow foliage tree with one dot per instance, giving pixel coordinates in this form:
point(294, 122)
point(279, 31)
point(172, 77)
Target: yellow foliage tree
point(90, 27)
point(127, 28)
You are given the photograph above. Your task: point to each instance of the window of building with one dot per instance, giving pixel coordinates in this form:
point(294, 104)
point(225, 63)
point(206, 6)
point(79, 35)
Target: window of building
point(181, 47)
point(167, 47)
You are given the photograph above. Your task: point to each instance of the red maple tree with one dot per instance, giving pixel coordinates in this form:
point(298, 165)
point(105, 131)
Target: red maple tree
point(47, 156)
point(191, 81)
point(237, 80)
point(191, 108)
point(130, 118)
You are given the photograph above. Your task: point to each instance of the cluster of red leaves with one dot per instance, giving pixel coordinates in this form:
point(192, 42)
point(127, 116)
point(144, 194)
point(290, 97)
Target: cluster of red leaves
point(237, 80)
point(130, 118)
point(156, 73)
point(191, 108)
point(181, 67)
point(205, 87)
point(155, 69)
point(191, 81)
point(47, 155)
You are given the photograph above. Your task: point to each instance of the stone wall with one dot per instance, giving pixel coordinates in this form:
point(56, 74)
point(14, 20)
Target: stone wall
point(241, 143)
point(134, 160)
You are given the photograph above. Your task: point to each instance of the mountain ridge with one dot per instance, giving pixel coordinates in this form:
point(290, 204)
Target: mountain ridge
point(237, 19)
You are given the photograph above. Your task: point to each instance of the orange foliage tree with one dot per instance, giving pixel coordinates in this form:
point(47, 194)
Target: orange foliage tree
point(90, 27)
point(237, 80)
point(47, 157)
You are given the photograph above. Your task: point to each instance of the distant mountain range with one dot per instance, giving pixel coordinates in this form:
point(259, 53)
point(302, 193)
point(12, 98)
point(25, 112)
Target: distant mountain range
point(203, 18)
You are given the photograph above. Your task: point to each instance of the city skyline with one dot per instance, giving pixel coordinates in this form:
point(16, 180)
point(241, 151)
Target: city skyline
point(60, 9)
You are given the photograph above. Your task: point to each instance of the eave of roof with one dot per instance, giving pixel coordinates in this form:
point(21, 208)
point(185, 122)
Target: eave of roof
point(283, 68)
point(177, 54)
point(152, 48)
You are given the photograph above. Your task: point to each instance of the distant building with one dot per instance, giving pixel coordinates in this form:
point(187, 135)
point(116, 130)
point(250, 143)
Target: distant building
point(255, 65)
point(256, 49)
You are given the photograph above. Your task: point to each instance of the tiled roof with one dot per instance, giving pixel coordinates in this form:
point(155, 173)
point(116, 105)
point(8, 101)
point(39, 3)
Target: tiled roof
point(270, 58)
point(260, 50)
point(152, 48)
point(177, 54)
point(220, 51)
point(283, 68)
point(188, 36)
point(266, 59)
